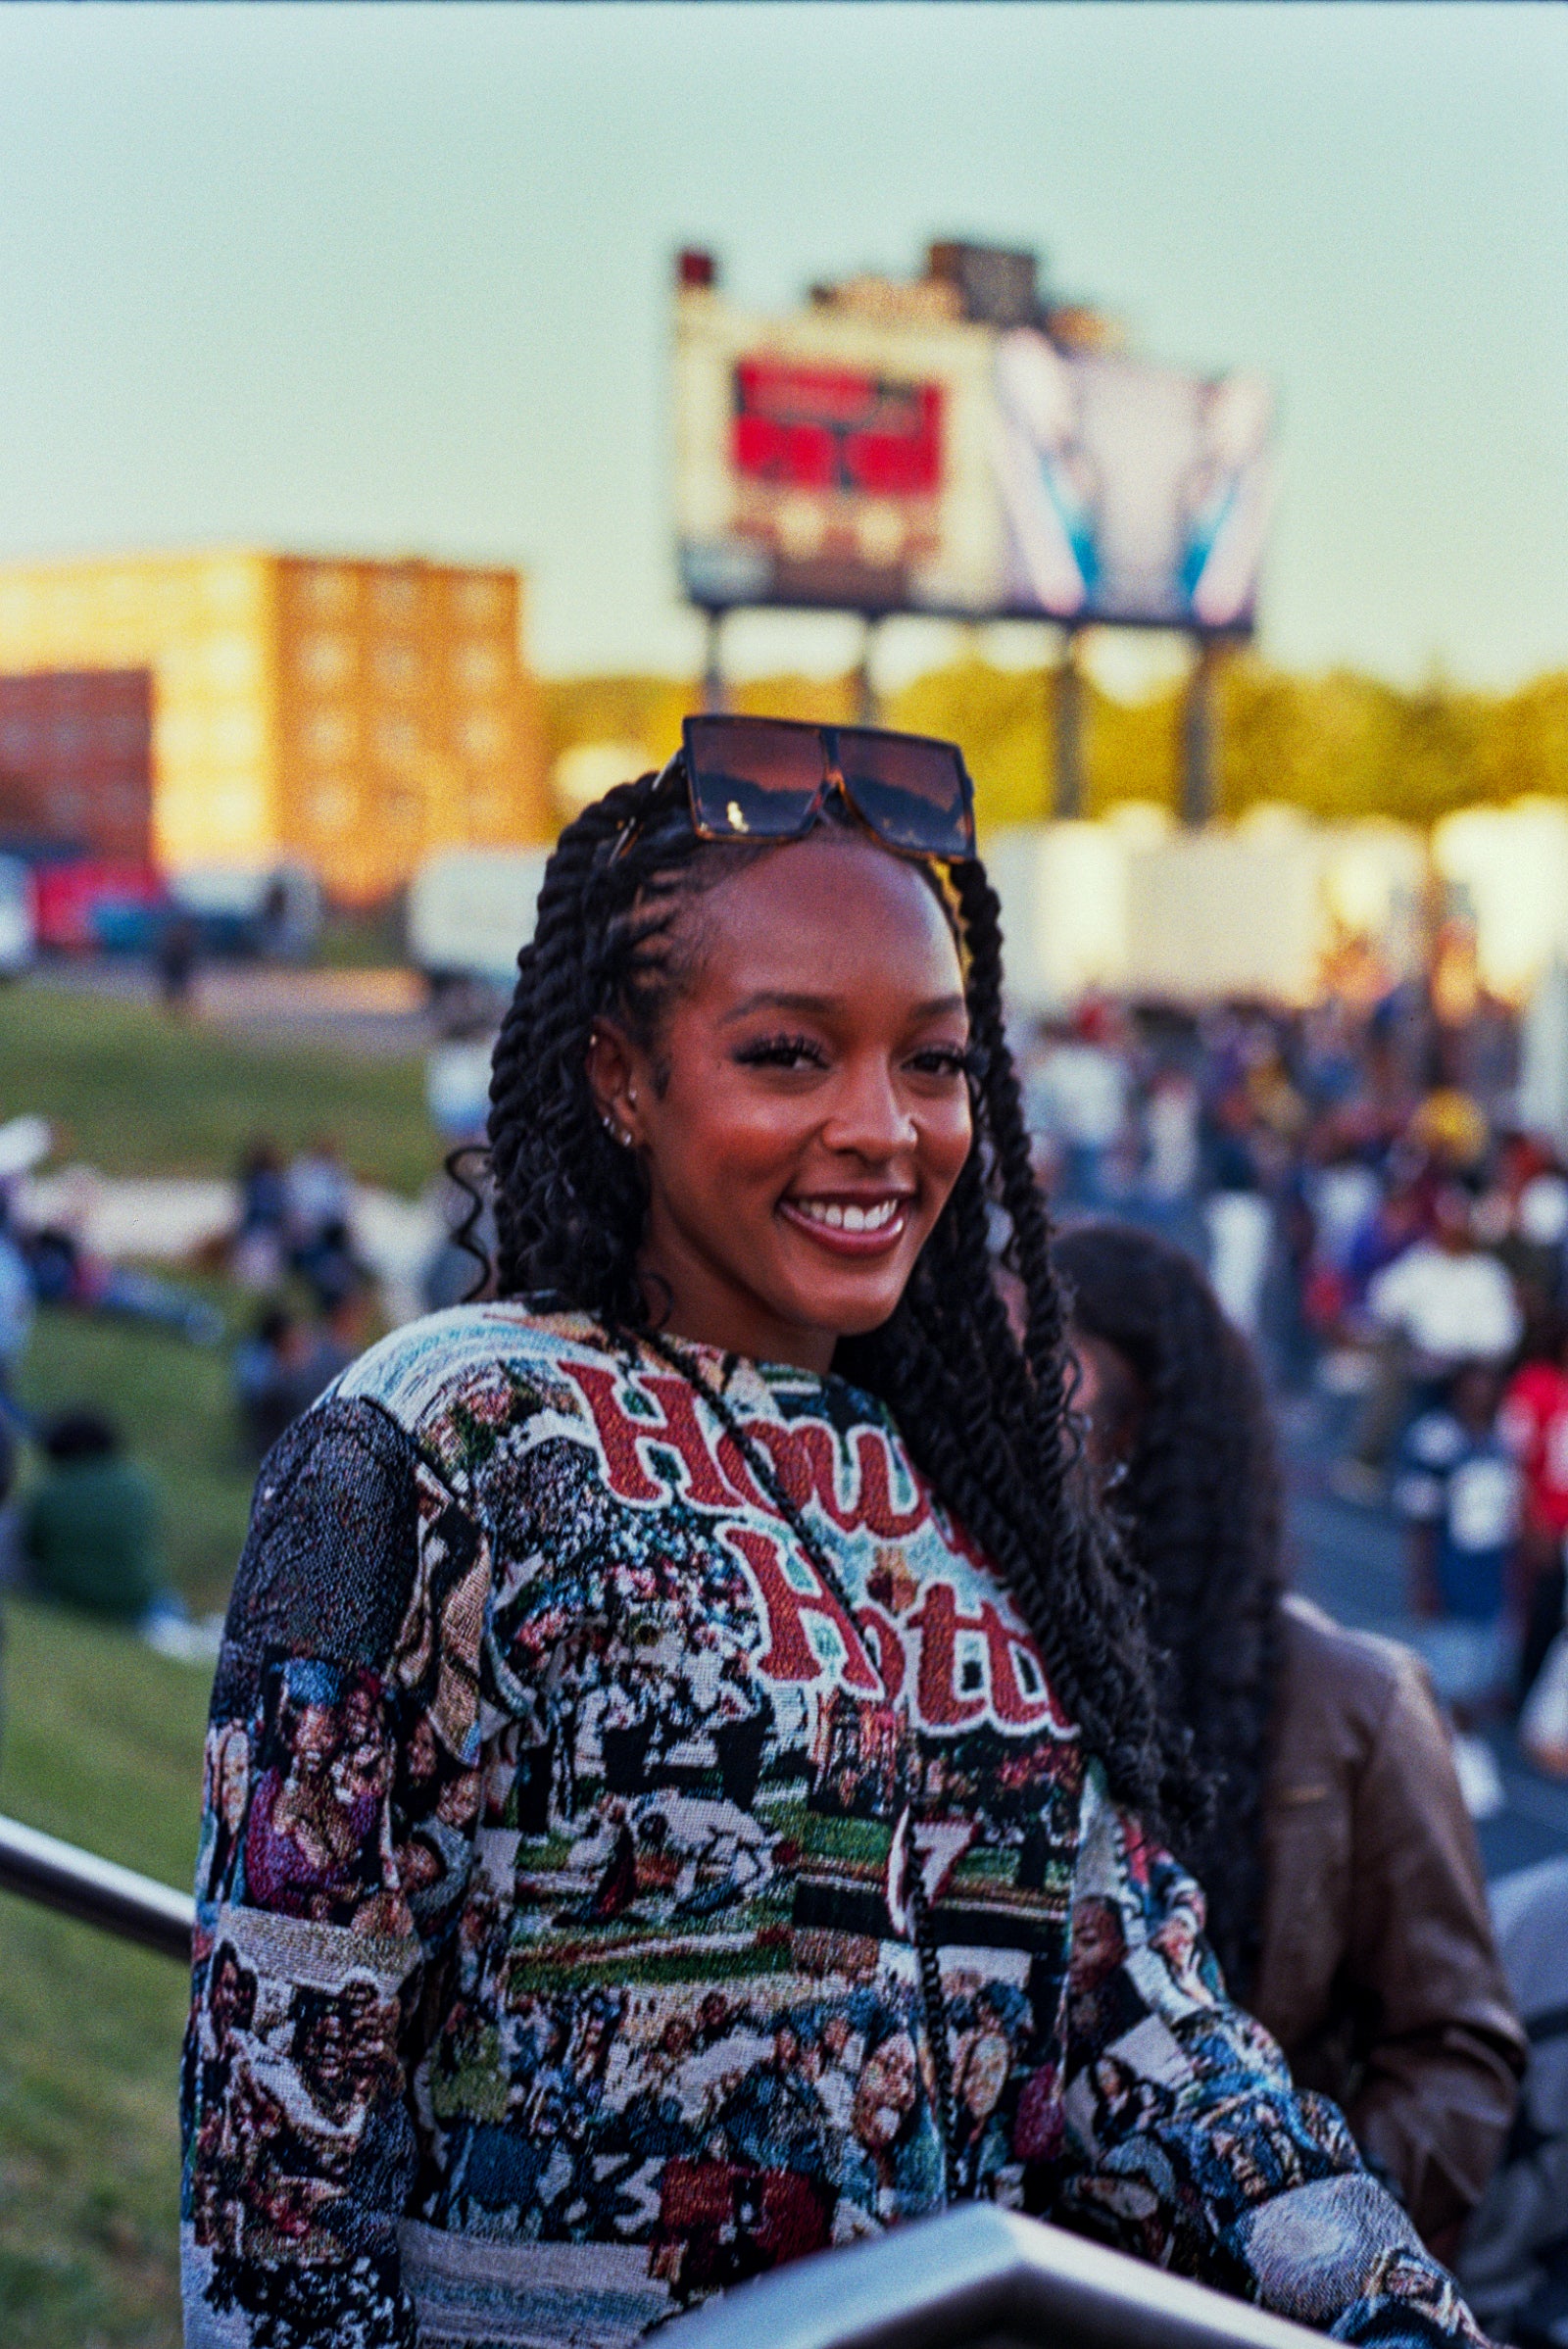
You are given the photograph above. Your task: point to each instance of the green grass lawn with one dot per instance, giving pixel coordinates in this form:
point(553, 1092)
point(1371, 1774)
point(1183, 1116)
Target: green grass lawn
point(135, 1090)
point(100, 1741)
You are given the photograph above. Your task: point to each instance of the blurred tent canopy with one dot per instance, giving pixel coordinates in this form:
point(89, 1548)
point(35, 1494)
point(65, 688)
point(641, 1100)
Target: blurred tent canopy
point(1337, 746)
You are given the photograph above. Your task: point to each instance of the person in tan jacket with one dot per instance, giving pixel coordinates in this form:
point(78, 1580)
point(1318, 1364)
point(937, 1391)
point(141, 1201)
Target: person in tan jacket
point(1345, 1897)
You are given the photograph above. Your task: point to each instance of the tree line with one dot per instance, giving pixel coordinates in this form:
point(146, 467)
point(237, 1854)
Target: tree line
point(1337, 745)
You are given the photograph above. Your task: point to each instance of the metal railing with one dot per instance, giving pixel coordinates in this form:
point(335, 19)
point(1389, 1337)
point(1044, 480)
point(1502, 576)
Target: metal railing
point(978, 2278)
point(63, 1876)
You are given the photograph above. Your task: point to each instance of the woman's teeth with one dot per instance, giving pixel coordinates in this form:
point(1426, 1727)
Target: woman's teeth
point(848, 1218)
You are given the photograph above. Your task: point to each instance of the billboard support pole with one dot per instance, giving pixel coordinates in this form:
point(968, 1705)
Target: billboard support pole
point(1067, 732)
point(713, 696)
point(1200, 733)
point(865, 702)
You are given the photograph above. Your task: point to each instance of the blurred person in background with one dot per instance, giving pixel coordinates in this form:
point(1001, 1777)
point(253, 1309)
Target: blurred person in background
point(319, 1191)
point(65, 1272)
point(1534, 1424)
point(16, 1313)
point(1237, 1214)
point(1459, 1490)
point(89, 1530)
point(1079, 1100)
point(1515, 2259)
point(1344, 1891)
point(1440, 1304)
point(177, 951)
point(257, 1245)
point(287, 1362)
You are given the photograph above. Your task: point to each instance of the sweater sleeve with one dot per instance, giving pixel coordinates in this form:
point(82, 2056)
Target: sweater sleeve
point(341, 1795)
point(1187, 2143)
point(1445, 2051)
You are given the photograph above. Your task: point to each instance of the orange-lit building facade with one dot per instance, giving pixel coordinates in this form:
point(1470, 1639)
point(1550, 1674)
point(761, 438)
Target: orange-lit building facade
point(352, 715)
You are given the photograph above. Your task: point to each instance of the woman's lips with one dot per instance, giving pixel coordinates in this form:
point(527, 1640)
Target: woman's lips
point(862, 1227)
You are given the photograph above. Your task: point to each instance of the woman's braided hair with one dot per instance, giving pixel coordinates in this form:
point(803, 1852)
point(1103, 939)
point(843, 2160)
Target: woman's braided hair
point(1201, 1502)
point(984, 1415)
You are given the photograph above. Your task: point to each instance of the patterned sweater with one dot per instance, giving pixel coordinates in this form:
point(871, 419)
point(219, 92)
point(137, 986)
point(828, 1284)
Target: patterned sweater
point(559, 1946)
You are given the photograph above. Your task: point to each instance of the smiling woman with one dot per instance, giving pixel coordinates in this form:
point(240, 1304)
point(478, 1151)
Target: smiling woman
point(681, 1764)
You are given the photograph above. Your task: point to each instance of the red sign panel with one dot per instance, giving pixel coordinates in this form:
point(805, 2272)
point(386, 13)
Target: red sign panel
point(829, 430)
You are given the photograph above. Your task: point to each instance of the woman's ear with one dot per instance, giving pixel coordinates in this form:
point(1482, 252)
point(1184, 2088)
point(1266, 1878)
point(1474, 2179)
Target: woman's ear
point(613, 1083)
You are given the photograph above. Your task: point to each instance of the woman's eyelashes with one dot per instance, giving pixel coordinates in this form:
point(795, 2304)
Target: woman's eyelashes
point(942, 1060)
point(807, 1051)
point(782, 1052)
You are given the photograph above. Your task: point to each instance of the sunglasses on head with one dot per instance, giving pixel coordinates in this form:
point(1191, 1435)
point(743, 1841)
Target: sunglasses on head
point(770, 779)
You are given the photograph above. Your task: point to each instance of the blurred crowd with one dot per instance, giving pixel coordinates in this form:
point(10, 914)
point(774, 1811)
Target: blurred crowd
point(1374, 1216)
point(85, 1521)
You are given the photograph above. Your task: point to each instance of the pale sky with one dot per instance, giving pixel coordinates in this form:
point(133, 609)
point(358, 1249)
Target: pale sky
point(394, 279)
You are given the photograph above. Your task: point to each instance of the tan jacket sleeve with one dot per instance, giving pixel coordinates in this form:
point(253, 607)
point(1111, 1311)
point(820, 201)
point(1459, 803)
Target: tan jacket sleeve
point(1445, 2051)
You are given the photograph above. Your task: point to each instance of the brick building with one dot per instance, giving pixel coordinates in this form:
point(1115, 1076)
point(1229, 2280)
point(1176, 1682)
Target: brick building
point(237, 708)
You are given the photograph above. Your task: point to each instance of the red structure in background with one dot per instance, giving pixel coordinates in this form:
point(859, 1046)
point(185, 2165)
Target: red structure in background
point(826, 429)
point(76, 765)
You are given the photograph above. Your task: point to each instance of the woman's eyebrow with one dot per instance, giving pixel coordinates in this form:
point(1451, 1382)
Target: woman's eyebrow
point(823, 1006)
point(769, 998)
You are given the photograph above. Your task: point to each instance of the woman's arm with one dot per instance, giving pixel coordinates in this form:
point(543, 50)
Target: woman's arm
point(1187, 2143)
point(1446, 2052)
point(345, 1709)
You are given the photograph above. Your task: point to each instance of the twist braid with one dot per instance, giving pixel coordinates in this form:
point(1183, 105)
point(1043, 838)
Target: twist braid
point(1202, 1505)
point(987, 1417)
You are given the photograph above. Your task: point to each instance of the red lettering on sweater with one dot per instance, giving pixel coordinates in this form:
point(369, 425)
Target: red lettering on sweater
point(624, 1435)
point(941, 1701)
point(787, 1604)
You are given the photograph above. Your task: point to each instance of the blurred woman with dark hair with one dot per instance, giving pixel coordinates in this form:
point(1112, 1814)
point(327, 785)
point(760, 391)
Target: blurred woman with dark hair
point(1345, 1900)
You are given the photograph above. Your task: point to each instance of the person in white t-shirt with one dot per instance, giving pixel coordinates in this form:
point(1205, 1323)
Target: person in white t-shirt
point(1447, 1299)
point(1439, 1304)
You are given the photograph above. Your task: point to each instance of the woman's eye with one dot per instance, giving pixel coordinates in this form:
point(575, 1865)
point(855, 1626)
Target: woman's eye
point(782, 1052)
point(941, 1061)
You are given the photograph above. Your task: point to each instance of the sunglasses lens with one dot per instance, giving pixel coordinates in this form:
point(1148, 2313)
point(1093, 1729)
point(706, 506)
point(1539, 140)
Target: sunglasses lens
point(750, 778)
point(914, 794)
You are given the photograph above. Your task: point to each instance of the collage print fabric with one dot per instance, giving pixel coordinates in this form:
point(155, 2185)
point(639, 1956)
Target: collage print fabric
point(562, 1843)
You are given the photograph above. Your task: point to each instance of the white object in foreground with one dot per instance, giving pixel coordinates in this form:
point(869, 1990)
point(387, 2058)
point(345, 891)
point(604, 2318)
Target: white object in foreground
point(986, 2276)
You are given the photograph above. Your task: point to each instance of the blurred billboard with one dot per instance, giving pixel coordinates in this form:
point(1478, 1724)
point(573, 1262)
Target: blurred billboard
point(882, 451)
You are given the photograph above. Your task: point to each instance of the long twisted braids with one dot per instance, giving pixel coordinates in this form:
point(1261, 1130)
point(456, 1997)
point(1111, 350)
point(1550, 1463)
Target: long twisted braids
point(985, 1417)
point(1201, 1501)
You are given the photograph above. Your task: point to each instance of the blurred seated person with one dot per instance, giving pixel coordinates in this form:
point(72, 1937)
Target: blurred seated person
point(1344, 1891)
point(287, 1363)
point(256, 1245)
point(319, 1192)
point(1458, 1490)
point(89, 1532)
point(329, 1267)
point(15, 1310)
point(66, 1273)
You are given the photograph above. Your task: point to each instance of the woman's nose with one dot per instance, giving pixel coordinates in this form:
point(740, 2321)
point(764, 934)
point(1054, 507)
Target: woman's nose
point(868, 1118)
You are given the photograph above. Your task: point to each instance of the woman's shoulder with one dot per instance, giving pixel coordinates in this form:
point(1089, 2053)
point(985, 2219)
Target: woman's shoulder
point(473, 1355)
point(1337, 1686)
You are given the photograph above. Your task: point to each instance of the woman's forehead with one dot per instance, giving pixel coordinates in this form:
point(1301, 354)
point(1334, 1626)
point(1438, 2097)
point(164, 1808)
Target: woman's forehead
point(829, 915)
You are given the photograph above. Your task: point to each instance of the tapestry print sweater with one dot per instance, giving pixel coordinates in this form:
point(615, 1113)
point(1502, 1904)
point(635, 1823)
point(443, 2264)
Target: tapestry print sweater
point(557, 1898)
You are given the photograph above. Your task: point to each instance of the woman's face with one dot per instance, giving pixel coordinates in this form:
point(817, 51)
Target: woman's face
point(804, 1115)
